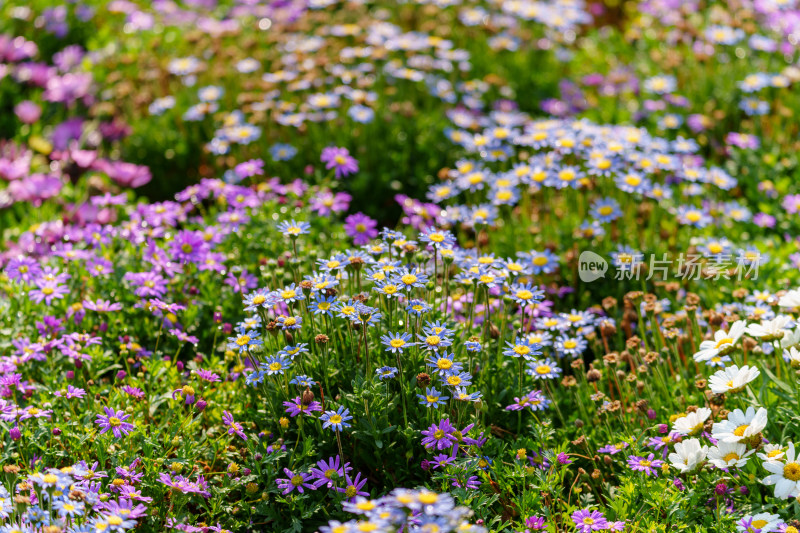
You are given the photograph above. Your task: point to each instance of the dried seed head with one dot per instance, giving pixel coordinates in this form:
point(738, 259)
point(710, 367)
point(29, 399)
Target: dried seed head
point(308, 397)
point(593, 375)
point(423, 380)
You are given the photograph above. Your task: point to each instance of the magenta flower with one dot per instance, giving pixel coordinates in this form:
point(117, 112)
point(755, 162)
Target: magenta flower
point(27, 111)
point(207, 375)
point(791, 203)
point(340, 160)
point(361, 228)
point(115, 421)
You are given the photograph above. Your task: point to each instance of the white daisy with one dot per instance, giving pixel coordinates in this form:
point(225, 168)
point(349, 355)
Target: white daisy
point(785, 475)
point(769, 330)
point(688, 455)
point(740, 425)
point(692, 423)
point(791, 339)
point(723, 343)
point(732, 379)
point(760, 523)
point(794, 356)
point(790, 299)
point(729, 455)
point(771, 453)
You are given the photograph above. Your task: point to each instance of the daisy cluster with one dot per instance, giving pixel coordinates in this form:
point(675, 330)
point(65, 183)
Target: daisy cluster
point(316, 266)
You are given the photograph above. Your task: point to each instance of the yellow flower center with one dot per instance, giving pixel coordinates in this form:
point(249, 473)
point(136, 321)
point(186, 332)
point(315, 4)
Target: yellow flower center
point(792, 471)
point(722, 342)
point(428, 498)
point(243, 340)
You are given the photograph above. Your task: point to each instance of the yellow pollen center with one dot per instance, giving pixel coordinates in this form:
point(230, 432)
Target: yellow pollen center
point(792, 471)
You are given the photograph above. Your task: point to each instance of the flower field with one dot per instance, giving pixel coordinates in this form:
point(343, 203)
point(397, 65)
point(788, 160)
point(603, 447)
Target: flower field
point(393, 266)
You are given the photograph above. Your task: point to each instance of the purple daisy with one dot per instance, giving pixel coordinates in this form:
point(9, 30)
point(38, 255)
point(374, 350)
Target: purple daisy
point(115, 421)
point(352, 487)
point(296, 407)
point(327, 472)
point(587, 521)
point(47, 291)
point(648, 465)
point(233, 427)
point(340, 160)
point(329, 202)
point(294, 481)
point(361, 228)
point(441, 436)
